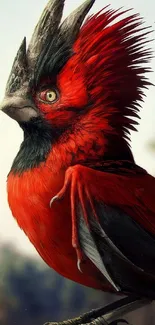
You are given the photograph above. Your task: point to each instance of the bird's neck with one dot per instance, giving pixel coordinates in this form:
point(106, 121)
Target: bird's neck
point(81, 145)
point(34, 148)
point(94, 138)
point(84, 145)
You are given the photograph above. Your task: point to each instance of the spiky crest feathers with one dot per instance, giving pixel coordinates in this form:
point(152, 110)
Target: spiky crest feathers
point(113, 56)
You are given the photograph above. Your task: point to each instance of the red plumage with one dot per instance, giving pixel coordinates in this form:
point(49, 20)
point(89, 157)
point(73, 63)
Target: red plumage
point(89, 164)
point(114, 54)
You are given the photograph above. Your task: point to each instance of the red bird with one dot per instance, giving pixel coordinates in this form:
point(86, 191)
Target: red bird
point(74, 187)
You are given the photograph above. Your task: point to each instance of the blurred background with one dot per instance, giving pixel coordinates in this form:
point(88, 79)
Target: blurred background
point(31, 293)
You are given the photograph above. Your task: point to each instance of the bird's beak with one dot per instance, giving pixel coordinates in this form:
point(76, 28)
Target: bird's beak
point(21, 110)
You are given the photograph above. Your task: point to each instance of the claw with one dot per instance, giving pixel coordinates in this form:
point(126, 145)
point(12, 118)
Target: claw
point(60, 195)
point(54, 198)
point(80, 256)
point(79, 265)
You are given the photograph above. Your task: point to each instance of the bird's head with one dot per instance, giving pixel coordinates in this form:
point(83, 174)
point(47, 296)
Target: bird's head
point(47, 80)
point(89, 77)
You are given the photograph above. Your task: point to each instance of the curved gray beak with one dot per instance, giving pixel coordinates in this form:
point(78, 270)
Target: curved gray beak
point(21, 110)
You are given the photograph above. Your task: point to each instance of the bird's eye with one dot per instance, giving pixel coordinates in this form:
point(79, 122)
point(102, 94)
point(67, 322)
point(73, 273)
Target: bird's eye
point(48, 96)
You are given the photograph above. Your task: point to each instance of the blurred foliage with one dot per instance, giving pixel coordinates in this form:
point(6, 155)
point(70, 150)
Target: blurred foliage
point(151, 146)
point(32, 294)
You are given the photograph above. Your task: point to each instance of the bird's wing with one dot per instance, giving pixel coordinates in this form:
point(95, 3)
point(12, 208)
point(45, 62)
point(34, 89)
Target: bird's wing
point(113, 224)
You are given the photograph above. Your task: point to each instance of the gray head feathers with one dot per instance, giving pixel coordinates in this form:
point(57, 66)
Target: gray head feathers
point(50, 46)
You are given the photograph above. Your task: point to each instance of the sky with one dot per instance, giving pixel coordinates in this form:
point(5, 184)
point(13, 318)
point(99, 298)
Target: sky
point(18, 19)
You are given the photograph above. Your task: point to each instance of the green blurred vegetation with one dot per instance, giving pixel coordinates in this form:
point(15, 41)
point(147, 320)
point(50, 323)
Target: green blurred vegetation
point(151, 146)
point(32, 294)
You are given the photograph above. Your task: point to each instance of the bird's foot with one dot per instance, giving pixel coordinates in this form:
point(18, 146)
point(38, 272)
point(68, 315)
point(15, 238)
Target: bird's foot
point(76, 184)
point(82, 320)
point(69, 176)
point(109, 315)
point(98, 321)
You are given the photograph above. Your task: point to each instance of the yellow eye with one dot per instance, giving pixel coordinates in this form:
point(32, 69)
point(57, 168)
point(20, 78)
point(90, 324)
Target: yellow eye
point(49, 96)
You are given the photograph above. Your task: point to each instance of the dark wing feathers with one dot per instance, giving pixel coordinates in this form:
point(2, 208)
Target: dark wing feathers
point(131, 239)
point(90, 248)
point(122, 250)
